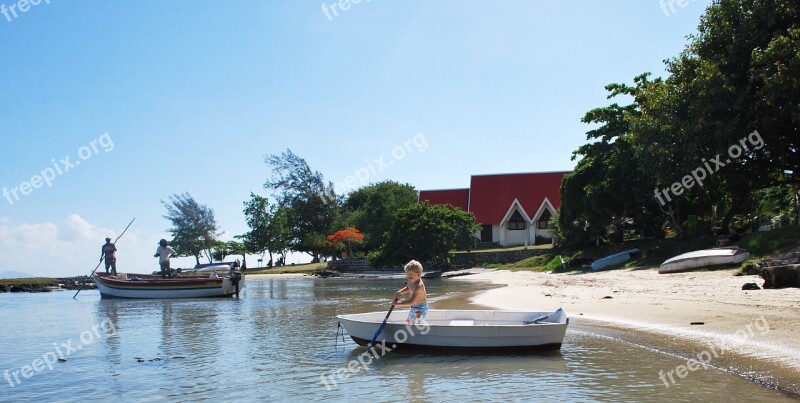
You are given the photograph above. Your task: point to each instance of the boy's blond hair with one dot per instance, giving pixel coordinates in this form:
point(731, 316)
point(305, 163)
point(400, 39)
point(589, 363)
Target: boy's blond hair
point(413, 267)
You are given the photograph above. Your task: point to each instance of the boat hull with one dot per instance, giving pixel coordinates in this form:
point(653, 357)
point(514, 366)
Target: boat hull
point(611, 260)
point(110, 287)
point(704, 258)
point(461, 329)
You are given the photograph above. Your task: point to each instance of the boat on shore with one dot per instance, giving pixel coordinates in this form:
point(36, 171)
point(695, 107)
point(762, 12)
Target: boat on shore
point(432, 274)
point(704, 258)
point(144, 286)
point(611, 260)
point(462, 329)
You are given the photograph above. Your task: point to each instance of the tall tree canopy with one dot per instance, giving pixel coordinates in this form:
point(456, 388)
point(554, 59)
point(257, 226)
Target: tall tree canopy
point(194, 228)
point(311, 205)
point(732, 96)
point(606, 192)
point(721, 88)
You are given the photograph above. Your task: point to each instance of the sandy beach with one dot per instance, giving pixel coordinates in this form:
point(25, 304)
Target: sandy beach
point(754, 331)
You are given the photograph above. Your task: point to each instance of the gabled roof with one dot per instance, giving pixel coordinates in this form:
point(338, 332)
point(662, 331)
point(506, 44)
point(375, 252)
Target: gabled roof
point(490, 196)
point(456, 197)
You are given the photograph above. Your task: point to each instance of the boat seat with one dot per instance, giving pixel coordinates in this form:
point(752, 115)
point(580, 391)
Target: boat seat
point(457, 322)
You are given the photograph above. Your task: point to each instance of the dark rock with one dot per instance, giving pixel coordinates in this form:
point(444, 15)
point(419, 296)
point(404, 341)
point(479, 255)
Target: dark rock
point(781, 276)
point(697, 323)
point(751, 270)
point(607, 297)
point(751, 286)
point(327, 273)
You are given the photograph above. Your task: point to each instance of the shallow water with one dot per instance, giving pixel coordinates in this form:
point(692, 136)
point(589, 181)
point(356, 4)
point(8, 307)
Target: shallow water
point(278, 342)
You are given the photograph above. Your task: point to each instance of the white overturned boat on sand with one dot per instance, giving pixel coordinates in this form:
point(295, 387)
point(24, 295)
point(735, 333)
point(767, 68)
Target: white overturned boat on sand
point(611, 260)
point(462, 329)
point(704, 258)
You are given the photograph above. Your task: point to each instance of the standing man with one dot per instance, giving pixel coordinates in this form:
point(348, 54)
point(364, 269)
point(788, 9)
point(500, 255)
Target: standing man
point(109, 252)
point(163, 253)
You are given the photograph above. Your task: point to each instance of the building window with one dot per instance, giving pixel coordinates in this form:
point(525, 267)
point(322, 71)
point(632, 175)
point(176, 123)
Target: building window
point(516, 222)
point(545, 220)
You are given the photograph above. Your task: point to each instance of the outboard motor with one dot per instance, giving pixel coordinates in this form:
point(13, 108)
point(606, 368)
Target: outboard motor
point(236, 276)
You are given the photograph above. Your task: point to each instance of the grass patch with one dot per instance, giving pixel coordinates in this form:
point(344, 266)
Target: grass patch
point(540, 263)
point(509, 249)
point(654, 252)
point(763, 243)
point(307, 268)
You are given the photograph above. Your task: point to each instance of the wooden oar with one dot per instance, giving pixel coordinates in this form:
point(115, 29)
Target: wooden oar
point(98, 264)
point(543, 317)
point(380, 329)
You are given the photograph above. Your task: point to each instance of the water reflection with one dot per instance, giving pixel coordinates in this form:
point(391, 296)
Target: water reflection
point(280, 337)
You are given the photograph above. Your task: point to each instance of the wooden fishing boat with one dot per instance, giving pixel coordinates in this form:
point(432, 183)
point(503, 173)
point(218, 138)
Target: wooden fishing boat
point(704, 258)
point(462, 329)
point(125, 285)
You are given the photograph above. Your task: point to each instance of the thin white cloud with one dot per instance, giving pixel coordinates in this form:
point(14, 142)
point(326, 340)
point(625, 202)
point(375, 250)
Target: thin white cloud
point(70, 248)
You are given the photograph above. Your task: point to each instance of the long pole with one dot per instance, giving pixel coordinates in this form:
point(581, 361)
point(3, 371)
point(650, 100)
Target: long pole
point(98, 264)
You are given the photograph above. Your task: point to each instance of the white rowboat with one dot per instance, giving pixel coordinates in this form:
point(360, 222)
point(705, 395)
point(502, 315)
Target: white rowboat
point(462, 329)
point(704, 258)
point(611, 260)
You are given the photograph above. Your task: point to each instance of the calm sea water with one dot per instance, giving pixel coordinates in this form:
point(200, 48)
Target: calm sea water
point(276, 341)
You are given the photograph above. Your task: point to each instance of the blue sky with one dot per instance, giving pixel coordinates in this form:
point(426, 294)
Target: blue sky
point(154, 98)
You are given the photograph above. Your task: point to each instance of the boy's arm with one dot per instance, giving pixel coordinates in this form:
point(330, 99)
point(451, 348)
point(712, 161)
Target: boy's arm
point(400, 292)
point(416, 297)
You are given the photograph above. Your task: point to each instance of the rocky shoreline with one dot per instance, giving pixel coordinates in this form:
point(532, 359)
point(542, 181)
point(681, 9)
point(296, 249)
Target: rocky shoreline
point(58, 284)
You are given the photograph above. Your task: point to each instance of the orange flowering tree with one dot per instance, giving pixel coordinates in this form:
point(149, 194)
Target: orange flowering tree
point(347, 236)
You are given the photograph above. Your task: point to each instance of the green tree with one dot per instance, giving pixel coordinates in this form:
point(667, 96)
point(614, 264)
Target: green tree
point(194, 228)
point(310, 204)
point(269, 231)
point(239, 248)
point(608, 192)
point(424, 232)
point(220, 250)
point(737, 75)
point(373, 208)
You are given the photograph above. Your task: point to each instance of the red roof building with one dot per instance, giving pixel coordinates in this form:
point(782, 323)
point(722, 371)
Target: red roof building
point(512, 209)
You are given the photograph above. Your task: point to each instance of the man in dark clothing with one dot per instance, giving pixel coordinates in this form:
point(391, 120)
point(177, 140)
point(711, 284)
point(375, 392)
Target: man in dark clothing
point(109, 252)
